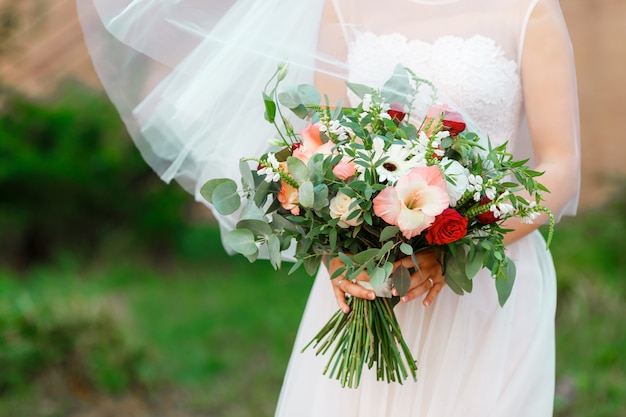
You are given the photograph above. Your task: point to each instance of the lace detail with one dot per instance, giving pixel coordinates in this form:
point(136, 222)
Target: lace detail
point(473, 71)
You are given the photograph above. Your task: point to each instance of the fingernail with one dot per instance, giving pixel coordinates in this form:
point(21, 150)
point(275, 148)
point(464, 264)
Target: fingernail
point(426, 303)
point(371, 296)
point(345, 310)
point(404, 299)
point(394, 292)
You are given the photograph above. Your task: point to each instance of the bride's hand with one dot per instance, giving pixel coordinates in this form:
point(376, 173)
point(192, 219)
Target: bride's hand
point(431, 279)
point(342, 286)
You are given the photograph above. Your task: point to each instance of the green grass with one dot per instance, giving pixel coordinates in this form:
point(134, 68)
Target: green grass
point(218, 328)
point(591, 342)
point(217, 331)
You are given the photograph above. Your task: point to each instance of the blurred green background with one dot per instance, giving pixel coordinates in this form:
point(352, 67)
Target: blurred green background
point(117, 299)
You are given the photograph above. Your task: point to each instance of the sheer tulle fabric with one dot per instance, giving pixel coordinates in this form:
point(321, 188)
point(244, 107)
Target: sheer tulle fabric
point(187, 75)
point(187, 78)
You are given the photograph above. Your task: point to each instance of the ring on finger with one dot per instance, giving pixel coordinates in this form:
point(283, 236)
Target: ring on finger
point(432, 283)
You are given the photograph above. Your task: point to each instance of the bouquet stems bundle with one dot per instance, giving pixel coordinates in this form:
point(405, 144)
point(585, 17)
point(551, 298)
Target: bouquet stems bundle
point(368, 334)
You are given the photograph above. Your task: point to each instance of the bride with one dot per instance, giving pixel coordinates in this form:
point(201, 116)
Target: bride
point(186, 77)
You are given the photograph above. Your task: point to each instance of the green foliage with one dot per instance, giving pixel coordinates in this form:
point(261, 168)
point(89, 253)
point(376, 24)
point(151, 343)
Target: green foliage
point(589, 256)
point(80, 338)
point(70, 176)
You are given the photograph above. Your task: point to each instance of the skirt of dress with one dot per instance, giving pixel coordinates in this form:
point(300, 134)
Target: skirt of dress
point(475, 359)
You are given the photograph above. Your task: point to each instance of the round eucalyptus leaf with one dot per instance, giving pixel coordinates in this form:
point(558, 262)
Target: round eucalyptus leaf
point(257, 227)
point(241, 241)
point(309, 95)
point(377, 277)
point(226, 198)
point(209, 187)
point(252, 211)
point(297, 169)
point(306, 194)
point(320, 196)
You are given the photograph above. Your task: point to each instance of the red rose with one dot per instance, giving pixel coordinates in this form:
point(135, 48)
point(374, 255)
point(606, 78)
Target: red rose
point(396, 112)
point(487, 217)
point(453, 122)
point(448, 227)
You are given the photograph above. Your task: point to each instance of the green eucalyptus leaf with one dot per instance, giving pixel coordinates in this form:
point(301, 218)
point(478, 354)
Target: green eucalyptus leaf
point(297, 169)
point(320, 196)
point(360, 89)
point(209, 187)
point(251, 211)
point(365, 256)
point(226, 199)
point(312, 263)
point(306, 194)
point(406, 249)
point(280, 223)
point(309, 96)
point(389, 232)
point(258, 227)
point(504, 284)
point(316, 168)
point(401, 279)
point(455, 270)
point(241, 241)
point(246, 174)
point(377, 276)
point(290, 98)
point(261, 193)
point(453, 285)
point(345, 259)
point(338, 272)
point(385, 249)
point(474, 263)
point(397, 89)
point(296, 266)
point(273, 246)
point(332, 237)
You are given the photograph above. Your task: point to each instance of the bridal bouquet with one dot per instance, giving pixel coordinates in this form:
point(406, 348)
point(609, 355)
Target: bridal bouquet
point(371, 184)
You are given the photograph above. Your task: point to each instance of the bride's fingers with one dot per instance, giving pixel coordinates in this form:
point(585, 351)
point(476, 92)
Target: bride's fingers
point(433, 293)
point(340, 295)
point(343, 286)
point(421, 288)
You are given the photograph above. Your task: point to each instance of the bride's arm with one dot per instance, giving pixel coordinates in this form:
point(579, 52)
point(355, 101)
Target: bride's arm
point(549, 87)
point(333, 49)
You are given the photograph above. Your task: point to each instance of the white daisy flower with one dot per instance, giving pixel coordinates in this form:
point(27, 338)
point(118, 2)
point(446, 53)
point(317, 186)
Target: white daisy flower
point(396, 163)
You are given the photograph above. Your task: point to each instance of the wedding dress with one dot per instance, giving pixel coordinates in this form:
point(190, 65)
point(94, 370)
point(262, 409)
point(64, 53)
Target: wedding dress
point(475, 359)
point(186, 77)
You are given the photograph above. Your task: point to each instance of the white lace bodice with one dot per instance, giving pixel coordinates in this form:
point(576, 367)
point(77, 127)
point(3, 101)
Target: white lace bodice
point(474, 72)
